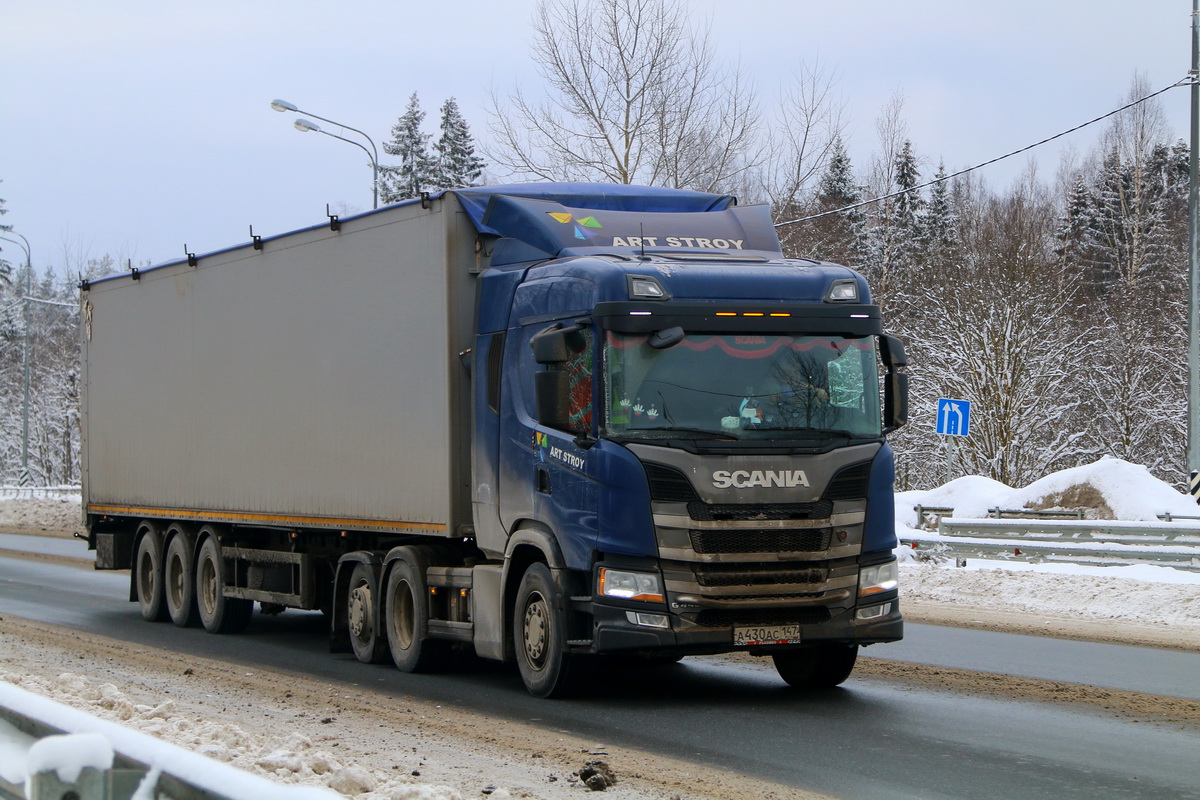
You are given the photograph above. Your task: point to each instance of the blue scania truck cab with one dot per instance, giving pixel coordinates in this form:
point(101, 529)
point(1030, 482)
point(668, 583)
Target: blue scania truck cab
point(691, 424)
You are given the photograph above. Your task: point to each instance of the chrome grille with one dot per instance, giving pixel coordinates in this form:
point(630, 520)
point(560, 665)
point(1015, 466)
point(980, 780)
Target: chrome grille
point(771, 540)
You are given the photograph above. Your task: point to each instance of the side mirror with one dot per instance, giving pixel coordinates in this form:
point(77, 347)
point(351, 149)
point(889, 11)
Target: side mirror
point(552, 395)
point(556, 345)
point(667, 337)
point(892, 350)
point(895, 401)
point(895, 383)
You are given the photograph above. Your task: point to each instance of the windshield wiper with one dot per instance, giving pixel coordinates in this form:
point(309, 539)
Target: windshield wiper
point(725, 435)
point(812, 433)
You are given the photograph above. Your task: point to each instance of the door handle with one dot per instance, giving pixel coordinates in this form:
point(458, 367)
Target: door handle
point(543, 480)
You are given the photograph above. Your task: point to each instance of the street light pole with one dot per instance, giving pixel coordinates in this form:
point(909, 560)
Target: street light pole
point(372, 154)
point(24, 244)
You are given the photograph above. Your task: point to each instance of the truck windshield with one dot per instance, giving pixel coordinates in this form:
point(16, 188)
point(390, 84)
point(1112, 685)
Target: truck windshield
point(741, 386)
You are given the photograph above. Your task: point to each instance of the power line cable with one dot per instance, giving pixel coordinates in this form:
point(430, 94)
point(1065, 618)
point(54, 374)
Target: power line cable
point(1188, 81)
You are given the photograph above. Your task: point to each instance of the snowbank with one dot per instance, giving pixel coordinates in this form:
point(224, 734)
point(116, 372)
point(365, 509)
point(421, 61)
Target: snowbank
point(56, 511)
point(1107, 489)
point(93, 741)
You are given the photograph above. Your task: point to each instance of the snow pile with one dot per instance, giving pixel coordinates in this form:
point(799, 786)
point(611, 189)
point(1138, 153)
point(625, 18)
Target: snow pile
point(59, 511)
point(1106, 489)
point(286, 759)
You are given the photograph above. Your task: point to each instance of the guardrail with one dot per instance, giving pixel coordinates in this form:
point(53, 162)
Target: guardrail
point(1093, 542)
point(31, 492)
point(75, 755)
point(928, 516)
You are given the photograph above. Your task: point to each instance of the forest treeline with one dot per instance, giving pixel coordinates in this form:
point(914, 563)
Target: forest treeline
point(1057, 305)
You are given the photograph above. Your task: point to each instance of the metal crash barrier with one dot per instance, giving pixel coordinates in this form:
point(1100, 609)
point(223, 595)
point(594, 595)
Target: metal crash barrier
point(1090, 542)
point(60, 753)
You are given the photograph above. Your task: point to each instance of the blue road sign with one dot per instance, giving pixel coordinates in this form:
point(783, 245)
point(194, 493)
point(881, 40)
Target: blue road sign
point(954, 417)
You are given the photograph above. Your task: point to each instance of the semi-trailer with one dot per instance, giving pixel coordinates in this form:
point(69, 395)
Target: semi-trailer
point(543, 423)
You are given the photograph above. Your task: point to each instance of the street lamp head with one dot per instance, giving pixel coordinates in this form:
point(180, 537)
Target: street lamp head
point(283, 105)
point(305, 125)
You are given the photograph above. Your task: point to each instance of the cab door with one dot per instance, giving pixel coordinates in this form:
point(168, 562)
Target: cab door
point(544, 474)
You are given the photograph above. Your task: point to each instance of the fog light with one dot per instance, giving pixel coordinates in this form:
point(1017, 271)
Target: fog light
point(648, 620)
point(874, 612)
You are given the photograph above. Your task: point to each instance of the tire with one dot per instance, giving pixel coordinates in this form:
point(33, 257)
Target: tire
point(179, 580)
point(406, 614)
point(820, 666)
point(367, 638)
point(148, 574)
point(218, 613)
point(540, 636)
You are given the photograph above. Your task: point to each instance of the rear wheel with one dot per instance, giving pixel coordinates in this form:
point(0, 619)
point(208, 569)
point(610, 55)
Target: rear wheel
point(179, 581)
point(148, 573)
point(819, 666)
point(407, 615)
point(366, 637)
point(218, 613)
point(540, 636)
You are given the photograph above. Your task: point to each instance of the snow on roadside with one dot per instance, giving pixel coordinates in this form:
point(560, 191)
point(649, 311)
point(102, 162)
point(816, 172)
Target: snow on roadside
point(52, 512)
point(288, 758)
point(1128, 490)
point(1143, 594)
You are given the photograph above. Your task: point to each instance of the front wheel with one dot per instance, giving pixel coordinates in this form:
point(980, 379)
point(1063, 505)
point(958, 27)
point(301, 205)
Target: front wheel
point(540, 636)
point(819, 666)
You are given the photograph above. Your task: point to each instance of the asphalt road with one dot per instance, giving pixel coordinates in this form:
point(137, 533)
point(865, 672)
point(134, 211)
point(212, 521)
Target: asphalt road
point(868, 739)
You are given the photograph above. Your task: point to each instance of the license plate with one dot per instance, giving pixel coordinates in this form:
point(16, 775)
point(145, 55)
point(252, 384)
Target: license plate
point(779, 634)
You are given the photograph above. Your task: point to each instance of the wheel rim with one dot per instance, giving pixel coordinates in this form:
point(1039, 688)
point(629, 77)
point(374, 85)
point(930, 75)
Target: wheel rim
point(175, 579)
point(536, 630)
point(403, 622)
point(207, 589)
point(146, 584)
point(360, 612)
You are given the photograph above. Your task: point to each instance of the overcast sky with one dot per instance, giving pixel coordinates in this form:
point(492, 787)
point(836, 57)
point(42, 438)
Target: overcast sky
point(134, 127)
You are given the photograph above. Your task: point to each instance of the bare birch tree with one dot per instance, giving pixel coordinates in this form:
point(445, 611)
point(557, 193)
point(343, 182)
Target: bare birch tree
point(634, 95)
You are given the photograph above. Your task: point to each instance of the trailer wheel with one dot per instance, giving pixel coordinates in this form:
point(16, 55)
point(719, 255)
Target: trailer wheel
point(179, 581)
point(407, 612)
point(366, 637)
point(148, 574)
point(218, 613)
point(820, 666)
point(540, 636)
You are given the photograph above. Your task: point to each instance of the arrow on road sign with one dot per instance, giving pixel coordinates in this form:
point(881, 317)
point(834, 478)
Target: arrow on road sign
point(954, 417)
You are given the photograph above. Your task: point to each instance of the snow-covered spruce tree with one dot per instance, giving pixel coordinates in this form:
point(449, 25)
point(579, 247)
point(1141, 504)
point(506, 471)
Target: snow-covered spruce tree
point(457, 163)
point(938, 226)
point(834, 237)
point(417, 170)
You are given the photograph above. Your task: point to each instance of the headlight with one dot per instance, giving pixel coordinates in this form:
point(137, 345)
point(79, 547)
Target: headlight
point(630, 585)
point(878, 579)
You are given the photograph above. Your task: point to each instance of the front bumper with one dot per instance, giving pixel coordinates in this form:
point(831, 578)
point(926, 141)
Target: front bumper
point(614, 632)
